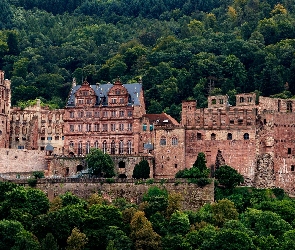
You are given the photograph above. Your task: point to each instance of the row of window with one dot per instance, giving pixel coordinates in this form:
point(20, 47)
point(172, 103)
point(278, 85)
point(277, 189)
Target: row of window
point(163, 141)
point(97, 114)
point(104, 127)
point(111, 148)
point(229, 136)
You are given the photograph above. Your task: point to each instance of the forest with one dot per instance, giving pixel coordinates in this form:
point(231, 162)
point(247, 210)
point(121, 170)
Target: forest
point(185, 49)
point(241, 218)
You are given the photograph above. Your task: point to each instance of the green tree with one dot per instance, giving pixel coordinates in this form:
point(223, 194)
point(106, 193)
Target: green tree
point(77, 240)
point(224, 210)
point(100, 164)
point(142, 233)
point(141, 170)
point(49, 243)
point(228, 177)
point(179, 223)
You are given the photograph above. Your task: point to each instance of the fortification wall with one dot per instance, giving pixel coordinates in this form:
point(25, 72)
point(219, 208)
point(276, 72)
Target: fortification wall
point(193, 196)
point(16, 161)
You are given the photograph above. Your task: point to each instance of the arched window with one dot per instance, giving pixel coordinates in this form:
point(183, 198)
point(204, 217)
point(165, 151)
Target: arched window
point(174, 141)
point(229, 136)
point(129, 147)
point(96, 144)
point(87, 147)
point(71, 144)
point(104, 147)
point(113, 147)
point(213, 136)
point(121, 147)
point(80, 148)
point(246, 136)
point(163, 141)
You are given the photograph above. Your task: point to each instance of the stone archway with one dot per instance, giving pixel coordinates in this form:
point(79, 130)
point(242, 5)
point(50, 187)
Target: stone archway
point(122, 169)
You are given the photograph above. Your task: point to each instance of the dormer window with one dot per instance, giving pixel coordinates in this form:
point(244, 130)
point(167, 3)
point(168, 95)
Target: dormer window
point(117, 91)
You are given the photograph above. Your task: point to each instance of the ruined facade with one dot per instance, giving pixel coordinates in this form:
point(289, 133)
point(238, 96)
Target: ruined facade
point(256, 137)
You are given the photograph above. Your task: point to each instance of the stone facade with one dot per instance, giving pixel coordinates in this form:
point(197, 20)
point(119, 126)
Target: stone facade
point(256, 136)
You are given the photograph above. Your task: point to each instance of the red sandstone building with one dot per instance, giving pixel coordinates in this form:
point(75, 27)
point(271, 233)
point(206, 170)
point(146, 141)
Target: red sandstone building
point(255, 137)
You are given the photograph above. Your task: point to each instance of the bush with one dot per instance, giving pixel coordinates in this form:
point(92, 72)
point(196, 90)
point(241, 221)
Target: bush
point(228, 177)
point(38, 174)
point(32, 182)
point(141, 170)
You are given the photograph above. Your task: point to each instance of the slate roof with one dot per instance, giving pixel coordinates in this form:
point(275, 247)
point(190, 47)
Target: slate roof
point(102, 90)
point(161, 119)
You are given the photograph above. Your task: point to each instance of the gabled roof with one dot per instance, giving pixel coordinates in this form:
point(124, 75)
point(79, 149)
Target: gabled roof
point(101, 90)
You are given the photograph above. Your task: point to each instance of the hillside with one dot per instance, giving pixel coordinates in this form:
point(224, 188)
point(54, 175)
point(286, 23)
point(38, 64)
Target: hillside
point(179, 49)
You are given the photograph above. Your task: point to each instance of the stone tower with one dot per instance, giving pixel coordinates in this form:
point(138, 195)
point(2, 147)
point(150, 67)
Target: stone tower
point(5, 103)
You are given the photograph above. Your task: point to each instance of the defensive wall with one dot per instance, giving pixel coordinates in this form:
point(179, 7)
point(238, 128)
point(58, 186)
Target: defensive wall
point(132, 190)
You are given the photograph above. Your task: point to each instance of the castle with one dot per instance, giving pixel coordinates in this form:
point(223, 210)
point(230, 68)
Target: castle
point(256, 137)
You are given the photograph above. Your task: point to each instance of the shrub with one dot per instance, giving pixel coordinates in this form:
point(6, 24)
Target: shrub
point(32, 182)
point(141, 170)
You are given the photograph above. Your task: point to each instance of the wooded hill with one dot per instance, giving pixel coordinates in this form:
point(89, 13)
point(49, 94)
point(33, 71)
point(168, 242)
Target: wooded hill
point(179, 49)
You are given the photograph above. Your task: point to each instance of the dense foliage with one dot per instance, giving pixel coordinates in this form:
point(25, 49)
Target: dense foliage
point(240, 218)
point(100, 164)
point(179, 49)
point(141, 170)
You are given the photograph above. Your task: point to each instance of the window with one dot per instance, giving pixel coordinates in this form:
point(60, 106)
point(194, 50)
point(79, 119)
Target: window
point(113, 127)
point(199, 136)
point(105, 127)
point(80, 114)
point(242, 99)
point(114, 100)
point(87, 147)
point(229, 136)
point(113, 148)
point(151, 127)
point(129, 127)
point(96, 144)
point(213, 101)
point(117, 92)
point(121, 113)
point(232, 122)
point(289, 106)
point(144, 126)
point(79, 127)
point(175, 165)
point(79, 148)
point(56, 138)
point(42, 138)
point(85, 93)
point(129, 113)
point(96, 127)
point(129, 147)
point(279, 105)
point(104, 147)
point(249, 99)
point(88, 114)
point(220, 101)
point(88, 127)
point(96, 114)
point(292, 168)
point(246, 136)
point(289, 151)
point(105, 113)
point(80, 101)
point(163, 141)
point(72, 115)
point(49, 138)
point(174, 141)
point(113, 113)
point(71, 144)
point(71, 128)
point(121, 147)
point(20, 147)
point(121, 127)
point(121, 100)
point(213, 136)
point(240, 122)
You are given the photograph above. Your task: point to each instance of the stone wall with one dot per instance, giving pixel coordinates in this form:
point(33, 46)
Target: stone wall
point(193, 196)
point(21, 161)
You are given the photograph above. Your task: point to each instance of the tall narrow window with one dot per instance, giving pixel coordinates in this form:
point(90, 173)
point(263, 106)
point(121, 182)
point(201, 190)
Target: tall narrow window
point(121, 147)
point(229, 136)
point(87, 147)
point(129, 147)
point(104, 147)
point(96, 144)
point(213, 136)
point(246, 136)
point(79, 148)
point(289, 106)
point(113, 148)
